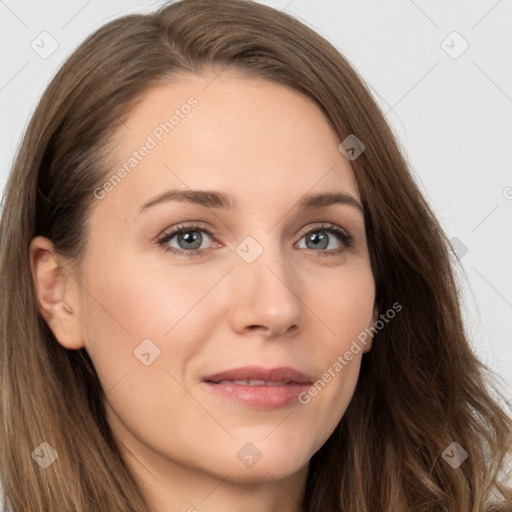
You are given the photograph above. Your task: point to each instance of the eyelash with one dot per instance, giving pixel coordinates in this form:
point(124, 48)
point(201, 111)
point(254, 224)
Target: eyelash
point(345, 238)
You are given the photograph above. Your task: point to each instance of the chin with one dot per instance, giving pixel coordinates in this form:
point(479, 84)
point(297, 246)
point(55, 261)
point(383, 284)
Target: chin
point(262, 473)
point(252, 465)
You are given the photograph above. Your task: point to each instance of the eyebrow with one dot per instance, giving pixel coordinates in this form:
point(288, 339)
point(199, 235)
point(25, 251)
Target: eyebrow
point(217, 199)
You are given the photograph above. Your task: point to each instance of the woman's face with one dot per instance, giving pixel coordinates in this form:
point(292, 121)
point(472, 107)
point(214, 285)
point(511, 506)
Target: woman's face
point(271, 287)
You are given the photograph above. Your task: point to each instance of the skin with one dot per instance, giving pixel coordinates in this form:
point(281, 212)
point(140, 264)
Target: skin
point(267, 145)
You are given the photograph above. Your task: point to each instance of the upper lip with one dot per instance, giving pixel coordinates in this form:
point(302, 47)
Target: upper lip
point(282, 373)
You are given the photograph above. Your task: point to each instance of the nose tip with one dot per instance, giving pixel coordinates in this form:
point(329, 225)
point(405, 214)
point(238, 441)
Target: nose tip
point(264, 301)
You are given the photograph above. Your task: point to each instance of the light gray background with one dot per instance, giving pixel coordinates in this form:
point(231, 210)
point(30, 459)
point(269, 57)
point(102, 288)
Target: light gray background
point(452, 113)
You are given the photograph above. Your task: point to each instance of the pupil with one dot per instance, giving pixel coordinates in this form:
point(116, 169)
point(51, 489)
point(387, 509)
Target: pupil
point(194, 237)
point(319, 239)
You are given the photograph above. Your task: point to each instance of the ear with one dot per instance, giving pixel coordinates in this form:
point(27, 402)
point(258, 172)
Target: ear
point(369, 340)
point(56, 294)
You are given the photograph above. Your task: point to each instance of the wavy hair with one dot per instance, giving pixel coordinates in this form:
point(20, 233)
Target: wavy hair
point(421, 387)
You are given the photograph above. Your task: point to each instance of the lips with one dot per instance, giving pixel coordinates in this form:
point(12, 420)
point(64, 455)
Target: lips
point(283, 375)
point(258, 387)
point(254, 382)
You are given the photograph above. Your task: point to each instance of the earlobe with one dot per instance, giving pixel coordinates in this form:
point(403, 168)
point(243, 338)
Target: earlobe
point(54, 291)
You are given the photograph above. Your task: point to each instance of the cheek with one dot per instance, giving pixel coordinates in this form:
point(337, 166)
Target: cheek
point(130, 319)
point(346, 306)
point(344, 313)
point(132, 301)
point(141, 333)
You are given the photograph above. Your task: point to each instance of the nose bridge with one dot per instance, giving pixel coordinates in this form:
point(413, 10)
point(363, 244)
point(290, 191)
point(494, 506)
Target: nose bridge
point(267, 288)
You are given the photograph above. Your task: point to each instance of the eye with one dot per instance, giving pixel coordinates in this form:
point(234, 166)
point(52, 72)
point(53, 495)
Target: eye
point(188, 235)
point(189, 239)
point(317, 238)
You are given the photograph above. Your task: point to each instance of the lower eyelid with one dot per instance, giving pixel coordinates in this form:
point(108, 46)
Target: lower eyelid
point(341, 234)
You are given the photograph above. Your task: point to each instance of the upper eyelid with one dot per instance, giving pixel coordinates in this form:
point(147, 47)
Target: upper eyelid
point(191, 225)
point(183, 226)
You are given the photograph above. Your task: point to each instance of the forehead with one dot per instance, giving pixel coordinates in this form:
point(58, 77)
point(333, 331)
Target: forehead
point(249, 137)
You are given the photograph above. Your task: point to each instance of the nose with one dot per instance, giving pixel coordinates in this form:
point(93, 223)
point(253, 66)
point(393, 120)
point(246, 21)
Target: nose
point(266, 296)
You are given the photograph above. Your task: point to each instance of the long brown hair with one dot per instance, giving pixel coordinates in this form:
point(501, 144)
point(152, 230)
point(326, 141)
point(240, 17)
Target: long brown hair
point(421, 387)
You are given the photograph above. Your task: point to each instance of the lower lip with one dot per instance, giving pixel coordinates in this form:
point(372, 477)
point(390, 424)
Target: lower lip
point(260, 397)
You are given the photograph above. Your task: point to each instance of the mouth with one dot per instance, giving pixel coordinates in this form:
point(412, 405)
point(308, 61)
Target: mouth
point(252, 382)
point(259, 387)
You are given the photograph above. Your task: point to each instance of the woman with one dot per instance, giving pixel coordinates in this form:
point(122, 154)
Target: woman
point(250, 370)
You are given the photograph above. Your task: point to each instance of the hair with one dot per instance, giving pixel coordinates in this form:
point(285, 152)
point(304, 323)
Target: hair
point(420, 388)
